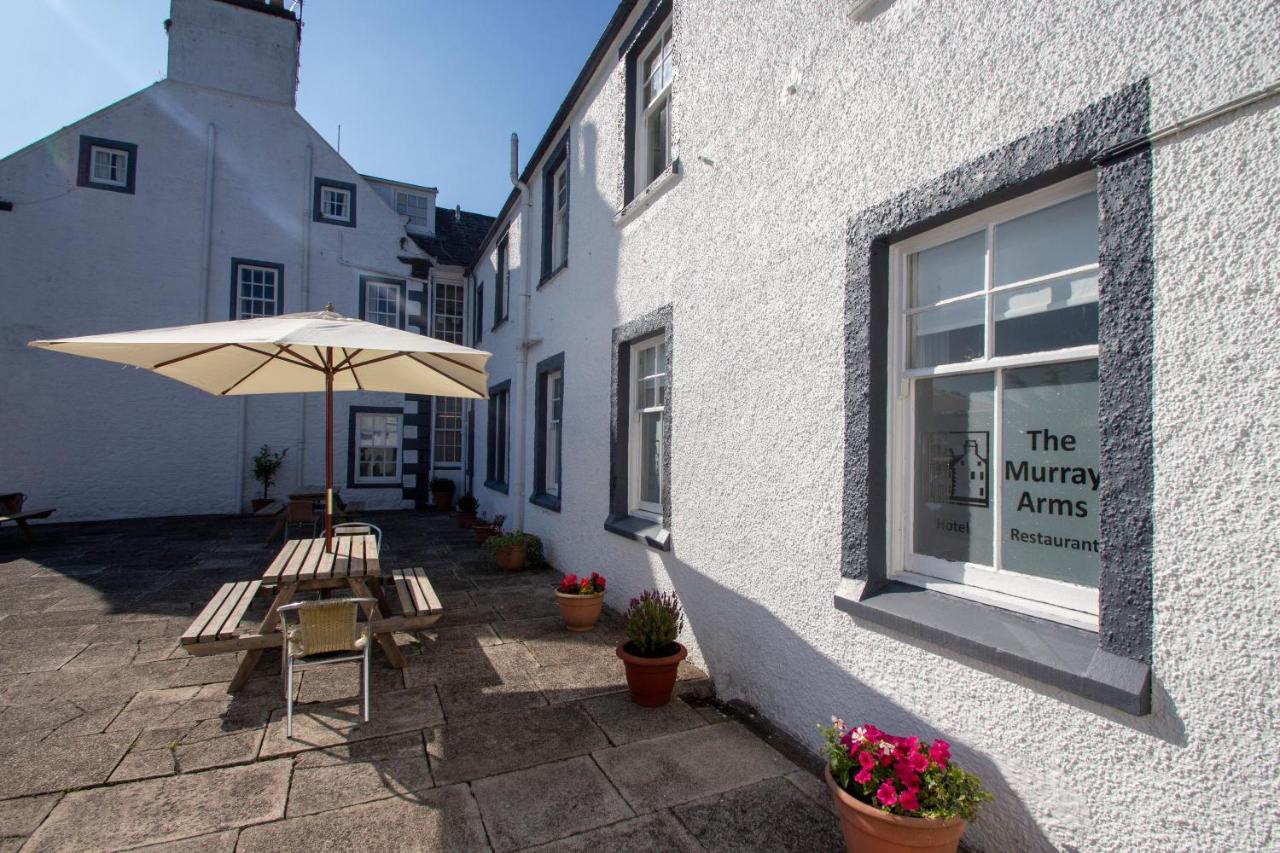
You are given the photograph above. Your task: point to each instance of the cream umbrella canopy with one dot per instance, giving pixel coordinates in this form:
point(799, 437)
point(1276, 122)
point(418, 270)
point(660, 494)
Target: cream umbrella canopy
point(292, 353)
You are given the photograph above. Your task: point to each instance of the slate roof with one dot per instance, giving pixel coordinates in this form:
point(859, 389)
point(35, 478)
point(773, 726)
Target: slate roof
point(457, 240)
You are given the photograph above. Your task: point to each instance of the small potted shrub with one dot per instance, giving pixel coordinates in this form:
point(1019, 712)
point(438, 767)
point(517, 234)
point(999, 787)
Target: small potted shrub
point(484, 529)
point(512, 550)
point(581, 600)
point(265, 466)
point(467, 506)
point(442, 492)
point(651, 654)
point(898, 794)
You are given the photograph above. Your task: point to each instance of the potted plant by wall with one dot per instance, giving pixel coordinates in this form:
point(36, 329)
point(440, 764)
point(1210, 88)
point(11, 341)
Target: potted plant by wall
point(442, 492)
point(512, 550)
point(265, 466)
point(650, 653)
point(898, 794)
point(467, 506)
point(484, 529)
point(580, 600)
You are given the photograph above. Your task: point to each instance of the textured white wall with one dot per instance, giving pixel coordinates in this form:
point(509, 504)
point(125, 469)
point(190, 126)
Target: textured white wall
point(98, 441)
point(238, 50)
point(750, 248)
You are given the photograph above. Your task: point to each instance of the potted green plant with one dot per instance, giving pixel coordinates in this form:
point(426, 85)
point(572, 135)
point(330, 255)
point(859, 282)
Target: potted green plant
point(512, 550)
point(265, 466)
point(467, 506)
point(580, 600)
point(484, 529)
point(898, 794)
point(442, 489)
point(650, 653)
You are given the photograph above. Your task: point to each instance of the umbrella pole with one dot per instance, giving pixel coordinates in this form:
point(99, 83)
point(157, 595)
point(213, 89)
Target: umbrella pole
point(328, 456)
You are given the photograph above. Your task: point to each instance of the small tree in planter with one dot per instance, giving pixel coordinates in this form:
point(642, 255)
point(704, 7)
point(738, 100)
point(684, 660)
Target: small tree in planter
point(898, 793)
point(265, 466)
point(511, 551)
point(581, 600)
point(442, 489)
point(651, 654)
point(467, 506)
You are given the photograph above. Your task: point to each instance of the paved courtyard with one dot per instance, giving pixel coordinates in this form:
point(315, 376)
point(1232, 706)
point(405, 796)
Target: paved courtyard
point(504, 732)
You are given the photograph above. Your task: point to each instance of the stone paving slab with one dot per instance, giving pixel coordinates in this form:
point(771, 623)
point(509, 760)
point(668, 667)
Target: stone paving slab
point(547, 802)
point(59, 765)
point(679, 768)
point(470, 750)
point(653, 833)
point(220, 842)
point(768, 816)
point(318, 789)
point(623, 721)
point(436, 820)
point(22, 816)
point(136, 813)
point(330, 724)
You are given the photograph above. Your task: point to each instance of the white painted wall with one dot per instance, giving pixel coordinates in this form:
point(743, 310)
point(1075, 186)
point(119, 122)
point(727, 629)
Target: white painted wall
point(222, 46)
point(98, 441)
point(749, 247)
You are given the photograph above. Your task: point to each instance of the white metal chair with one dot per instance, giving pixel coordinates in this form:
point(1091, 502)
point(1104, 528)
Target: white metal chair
point(326, 632)
point(359, 528)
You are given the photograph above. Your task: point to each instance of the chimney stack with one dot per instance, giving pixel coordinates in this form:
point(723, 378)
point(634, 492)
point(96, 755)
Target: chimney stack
point(246, 47)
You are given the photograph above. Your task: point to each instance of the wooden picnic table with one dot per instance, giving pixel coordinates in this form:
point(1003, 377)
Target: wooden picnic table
point(303, 565)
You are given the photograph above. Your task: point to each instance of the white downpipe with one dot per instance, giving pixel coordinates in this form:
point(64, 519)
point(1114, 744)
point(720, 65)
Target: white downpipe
point(206, 256)
point(522, 352)
point(305, 305)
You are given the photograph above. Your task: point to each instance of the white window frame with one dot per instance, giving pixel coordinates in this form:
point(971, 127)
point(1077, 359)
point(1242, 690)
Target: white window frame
point(442, 298)
point(447, 424)
point(240, 297)
point(554, 424)
point(405, 209)
point(660, 46)
point(357, 446)
point(369, 313)
point(328, 196)
point(635, 506)
point(1059, 601)
point(112, 153)
point(560, 215)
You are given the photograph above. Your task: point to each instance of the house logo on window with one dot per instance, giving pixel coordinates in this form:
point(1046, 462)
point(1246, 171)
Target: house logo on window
point(958, 472)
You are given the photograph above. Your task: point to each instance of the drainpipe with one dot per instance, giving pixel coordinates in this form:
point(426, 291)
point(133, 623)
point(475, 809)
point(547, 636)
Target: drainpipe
point(206, 264)
point(522, 353)
point(305, 304)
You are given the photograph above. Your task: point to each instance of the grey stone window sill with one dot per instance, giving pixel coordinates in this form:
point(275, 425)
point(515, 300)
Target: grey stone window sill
point(496, 485)
point(1047, 652)
point(651, 533)
point(546, 501)
point(647, 196)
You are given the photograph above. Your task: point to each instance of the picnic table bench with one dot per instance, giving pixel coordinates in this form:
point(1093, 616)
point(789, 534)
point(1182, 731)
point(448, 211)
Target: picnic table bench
point(21, 519)
point(303, 565)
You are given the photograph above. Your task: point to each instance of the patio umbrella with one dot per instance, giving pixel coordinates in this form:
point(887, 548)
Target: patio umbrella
point(291, 353)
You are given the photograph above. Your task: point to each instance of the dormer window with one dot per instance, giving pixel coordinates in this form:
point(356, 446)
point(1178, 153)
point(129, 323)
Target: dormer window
point(413, 204)
point(334, 202)
point(107, 165)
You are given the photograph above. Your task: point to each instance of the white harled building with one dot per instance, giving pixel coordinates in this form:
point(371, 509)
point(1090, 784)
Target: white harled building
point(203, 197)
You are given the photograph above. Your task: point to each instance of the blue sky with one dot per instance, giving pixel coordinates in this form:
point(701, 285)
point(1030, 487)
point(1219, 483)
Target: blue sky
point(426, 91)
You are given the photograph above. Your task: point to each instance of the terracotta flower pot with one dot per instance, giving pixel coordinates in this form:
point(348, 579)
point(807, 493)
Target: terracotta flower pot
point(466, 519)
point(868, 830)
point(651, 680)
point(510, 558)
point(442, 500)
point(580, 612)
point(482, 531)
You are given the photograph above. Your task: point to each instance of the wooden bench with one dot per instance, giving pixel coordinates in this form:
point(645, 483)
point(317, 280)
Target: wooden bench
point(419, 604)
point(21, 519)
point(215, 630)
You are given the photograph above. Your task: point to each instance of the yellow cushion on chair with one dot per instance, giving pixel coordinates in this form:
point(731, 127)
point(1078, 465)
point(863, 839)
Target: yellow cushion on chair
point(328, 626)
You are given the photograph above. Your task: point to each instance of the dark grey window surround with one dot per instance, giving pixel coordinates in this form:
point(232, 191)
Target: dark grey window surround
point(620, 521)
point(84, 174)
point(500, 295)
point(492, 480)
point(651, 20)
point(317, 213)
point(477, 333)
point(236, 263)
point(351, 445)
point(399, 282)
point(1112, 667)
point(561, 156)
point(539, 495)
